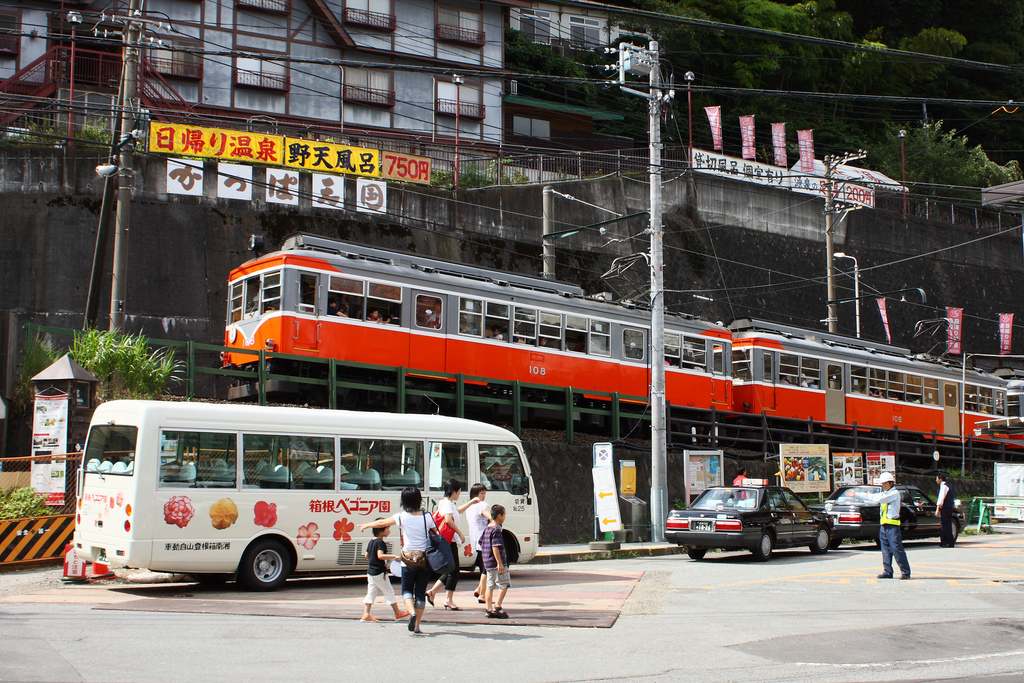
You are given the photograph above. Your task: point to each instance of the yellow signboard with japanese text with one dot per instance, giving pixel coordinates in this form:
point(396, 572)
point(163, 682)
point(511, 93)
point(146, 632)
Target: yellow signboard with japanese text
point(327, 157)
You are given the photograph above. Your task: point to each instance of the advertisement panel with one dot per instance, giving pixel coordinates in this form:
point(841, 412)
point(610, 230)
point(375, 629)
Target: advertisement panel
point(804, 467)
point(878, 463)
point(848, 469)
point(705, 470)
point(50, 435)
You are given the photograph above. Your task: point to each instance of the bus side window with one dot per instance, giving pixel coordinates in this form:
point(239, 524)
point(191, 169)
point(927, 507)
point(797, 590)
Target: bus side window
point(375, 464)
point(282, 461)
point(448, 460)
point(197, 459)
point(501, 469)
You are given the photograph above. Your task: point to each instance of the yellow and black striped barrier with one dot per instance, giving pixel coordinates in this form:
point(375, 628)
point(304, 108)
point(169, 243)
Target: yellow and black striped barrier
point(34, 539)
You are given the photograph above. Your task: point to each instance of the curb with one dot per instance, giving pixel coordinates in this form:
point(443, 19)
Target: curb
point(622, 553)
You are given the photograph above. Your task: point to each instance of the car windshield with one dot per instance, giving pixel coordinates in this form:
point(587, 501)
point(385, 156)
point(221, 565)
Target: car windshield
point(855, 495)
point(740, 498)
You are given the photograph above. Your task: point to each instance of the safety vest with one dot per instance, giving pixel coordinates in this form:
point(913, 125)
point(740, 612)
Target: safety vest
point(885, 515)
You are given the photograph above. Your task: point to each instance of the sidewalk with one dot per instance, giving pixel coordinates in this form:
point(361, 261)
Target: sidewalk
point(577, 552)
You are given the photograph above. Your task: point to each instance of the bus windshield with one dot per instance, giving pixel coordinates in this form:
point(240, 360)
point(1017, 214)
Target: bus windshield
point(110, 449)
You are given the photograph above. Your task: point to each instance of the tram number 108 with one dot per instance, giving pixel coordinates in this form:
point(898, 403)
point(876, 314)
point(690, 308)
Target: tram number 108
point(537, 370)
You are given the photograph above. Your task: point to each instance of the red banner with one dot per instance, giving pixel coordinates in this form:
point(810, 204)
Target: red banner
point(1005, 333)
point(805, 140)
point(779, 143)
point(955, 319)
point(885, 319)
point(715, 119)
point(747, 136)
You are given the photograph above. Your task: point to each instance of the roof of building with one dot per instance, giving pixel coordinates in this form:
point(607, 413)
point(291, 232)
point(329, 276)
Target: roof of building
point(63, 369)
point(594, 114)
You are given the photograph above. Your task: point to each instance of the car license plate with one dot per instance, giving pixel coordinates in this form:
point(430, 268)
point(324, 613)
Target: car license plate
point(703, 526)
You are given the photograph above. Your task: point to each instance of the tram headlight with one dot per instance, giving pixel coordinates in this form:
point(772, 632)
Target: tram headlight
point(270, 344)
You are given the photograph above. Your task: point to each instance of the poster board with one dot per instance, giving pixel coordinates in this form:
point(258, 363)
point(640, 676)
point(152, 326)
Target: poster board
point(804, 467)
point(1009, 491)
point(606, 499)
point(49, 436)
point(876, 463)
point(704, 469)
point(848, 469)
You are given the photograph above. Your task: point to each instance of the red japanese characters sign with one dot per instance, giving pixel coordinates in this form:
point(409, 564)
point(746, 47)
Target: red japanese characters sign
point(406, 167)
point(215, 143)
point(1005, 333)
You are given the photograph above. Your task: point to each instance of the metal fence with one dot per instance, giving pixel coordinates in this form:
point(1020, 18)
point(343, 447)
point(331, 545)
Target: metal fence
point(43, 537)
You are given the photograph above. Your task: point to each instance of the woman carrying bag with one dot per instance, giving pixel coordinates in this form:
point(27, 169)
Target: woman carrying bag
point(447, 518)
point(415, 525)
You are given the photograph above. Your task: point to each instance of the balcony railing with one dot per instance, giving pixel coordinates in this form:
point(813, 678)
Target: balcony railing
point(467, 110)
point(368, 19)
point(178, 68)
point(458, 34)
point(374, 97)
point(10, 45)
point(275, 6)
point(262, 81)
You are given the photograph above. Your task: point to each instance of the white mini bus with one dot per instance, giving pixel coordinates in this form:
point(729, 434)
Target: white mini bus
point(260, 493)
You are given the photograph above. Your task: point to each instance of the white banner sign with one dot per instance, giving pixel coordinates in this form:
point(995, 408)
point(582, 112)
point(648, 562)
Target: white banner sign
point(234, 181)
point(185, 176)
point(606, 499)
point(1009, 480)
point(371, 196)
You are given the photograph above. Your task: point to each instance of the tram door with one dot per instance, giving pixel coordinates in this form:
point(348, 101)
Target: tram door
point(428, 326)
point(835, 394)
point(306, 325)
point(951, 408)
point(768, 375)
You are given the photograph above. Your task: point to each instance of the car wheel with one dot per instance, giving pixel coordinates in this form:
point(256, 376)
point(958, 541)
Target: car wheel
point(956, 530)
point(822, 542)
point(265, 566)
point(696, 553)
point(764, 547)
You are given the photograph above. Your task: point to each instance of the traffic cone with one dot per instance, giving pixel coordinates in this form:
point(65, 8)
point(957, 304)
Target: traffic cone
point(74, 566)
point(100, 571)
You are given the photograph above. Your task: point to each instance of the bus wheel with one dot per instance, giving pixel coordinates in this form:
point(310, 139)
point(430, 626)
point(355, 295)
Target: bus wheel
point(211, 580)
point(265, 566)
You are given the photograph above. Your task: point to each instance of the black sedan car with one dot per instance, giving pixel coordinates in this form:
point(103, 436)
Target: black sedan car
point(758, 519)
point(854, 512)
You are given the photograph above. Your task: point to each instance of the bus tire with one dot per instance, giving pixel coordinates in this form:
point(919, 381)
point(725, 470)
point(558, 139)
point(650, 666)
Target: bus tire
point(265, 565)
point(211, 580)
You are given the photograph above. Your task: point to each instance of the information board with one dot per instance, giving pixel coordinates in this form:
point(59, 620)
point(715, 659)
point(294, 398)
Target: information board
point(704, 470)
point(878, 463)
point(848, 469)
point(804, 467)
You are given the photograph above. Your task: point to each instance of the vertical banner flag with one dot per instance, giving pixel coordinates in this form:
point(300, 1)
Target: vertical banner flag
point(747, 136)
point(715, 119)
point(779, 143)
point(805, 140)
point(955, 319)
point(885, 319)
point(1005, 333)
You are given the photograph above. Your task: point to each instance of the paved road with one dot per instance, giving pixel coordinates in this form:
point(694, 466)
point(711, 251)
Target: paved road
point(727, 618)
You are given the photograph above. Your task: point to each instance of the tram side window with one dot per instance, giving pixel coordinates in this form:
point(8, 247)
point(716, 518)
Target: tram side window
point(386, 300)
point(110, 449)
point(307, 293)
point(718, 359)
point(876, 383)
point(576, 333)
point(428, 312)
point(810, 372)
point(695, 355)
point(197, 459)
point(237, 300)
point(1000, 402)
point(471, 317)
point(896, 388)
point(741, 364)
point(913, 389)
point(789, 369)
point(767, 363)
point(525, 328)
point(372, 464)
point(346, 297)
point(501, 469)
point(496, 321)
point(985, 399)
point(447, 460)
point(1012, 404)
point(970, 397)
point(858, 379)
point(280, 461)
point(835, 377)
point(550, 330)
point(931, 391)
point(600, 338)
point(271, 292)
point(673, 352)
point(633, 344)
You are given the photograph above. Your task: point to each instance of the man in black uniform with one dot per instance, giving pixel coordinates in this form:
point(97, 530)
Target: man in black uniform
point(945, 507)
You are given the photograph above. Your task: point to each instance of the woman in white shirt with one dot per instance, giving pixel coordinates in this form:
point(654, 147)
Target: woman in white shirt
point(415, 525)
point(449, 512)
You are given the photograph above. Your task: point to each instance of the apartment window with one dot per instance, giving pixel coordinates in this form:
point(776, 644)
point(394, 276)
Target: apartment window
point(585, 31)
point(366, 86)
point(535, 25)
point(534, 128)
point(273, 6)
point(173, 62)
point(261, 74)
point(372, 14)
point(10, 42)
point(466, 98)
point(456, 25)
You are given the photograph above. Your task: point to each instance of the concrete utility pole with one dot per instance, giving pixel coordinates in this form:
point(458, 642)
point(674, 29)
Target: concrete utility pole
point(549, 249)
point(646, 61)
point(831, 164)
point(118, 286)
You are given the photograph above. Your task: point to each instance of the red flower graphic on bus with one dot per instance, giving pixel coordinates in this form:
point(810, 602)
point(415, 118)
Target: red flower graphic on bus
point(178, 511)
point(266, 514)
point(342, 528)
point(308, 536)
point(468, 550)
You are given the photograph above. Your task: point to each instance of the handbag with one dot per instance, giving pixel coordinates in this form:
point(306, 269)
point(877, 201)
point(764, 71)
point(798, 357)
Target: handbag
point(416, 559)
point(442, 525)
point(439, 553)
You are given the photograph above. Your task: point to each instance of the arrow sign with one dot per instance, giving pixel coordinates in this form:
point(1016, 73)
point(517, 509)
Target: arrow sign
point(609, 521)
point(607, 500)
point(604, 495)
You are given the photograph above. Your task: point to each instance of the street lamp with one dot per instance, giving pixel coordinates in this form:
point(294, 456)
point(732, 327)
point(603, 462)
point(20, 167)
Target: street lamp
point(903, 164)
point(457, 80)
point(74, 18)
point(689, 117)
point(856, 285)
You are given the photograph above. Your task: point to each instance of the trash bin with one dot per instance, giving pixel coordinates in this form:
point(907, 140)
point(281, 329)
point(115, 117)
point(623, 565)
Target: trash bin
point(635, 526)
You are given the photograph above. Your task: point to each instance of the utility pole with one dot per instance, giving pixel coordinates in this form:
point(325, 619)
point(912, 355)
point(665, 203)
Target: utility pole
point(118, 287)
point(549, 249)
point(646, 61)
point(831, 164)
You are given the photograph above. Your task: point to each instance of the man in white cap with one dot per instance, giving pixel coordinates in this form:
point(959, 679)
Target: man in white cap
point(889, 536)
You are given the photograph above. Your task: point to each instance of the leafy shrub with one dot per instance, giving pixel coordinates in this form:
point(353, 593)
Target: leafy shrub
point(16, 503)
point(124, 364)
point(36, 357)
